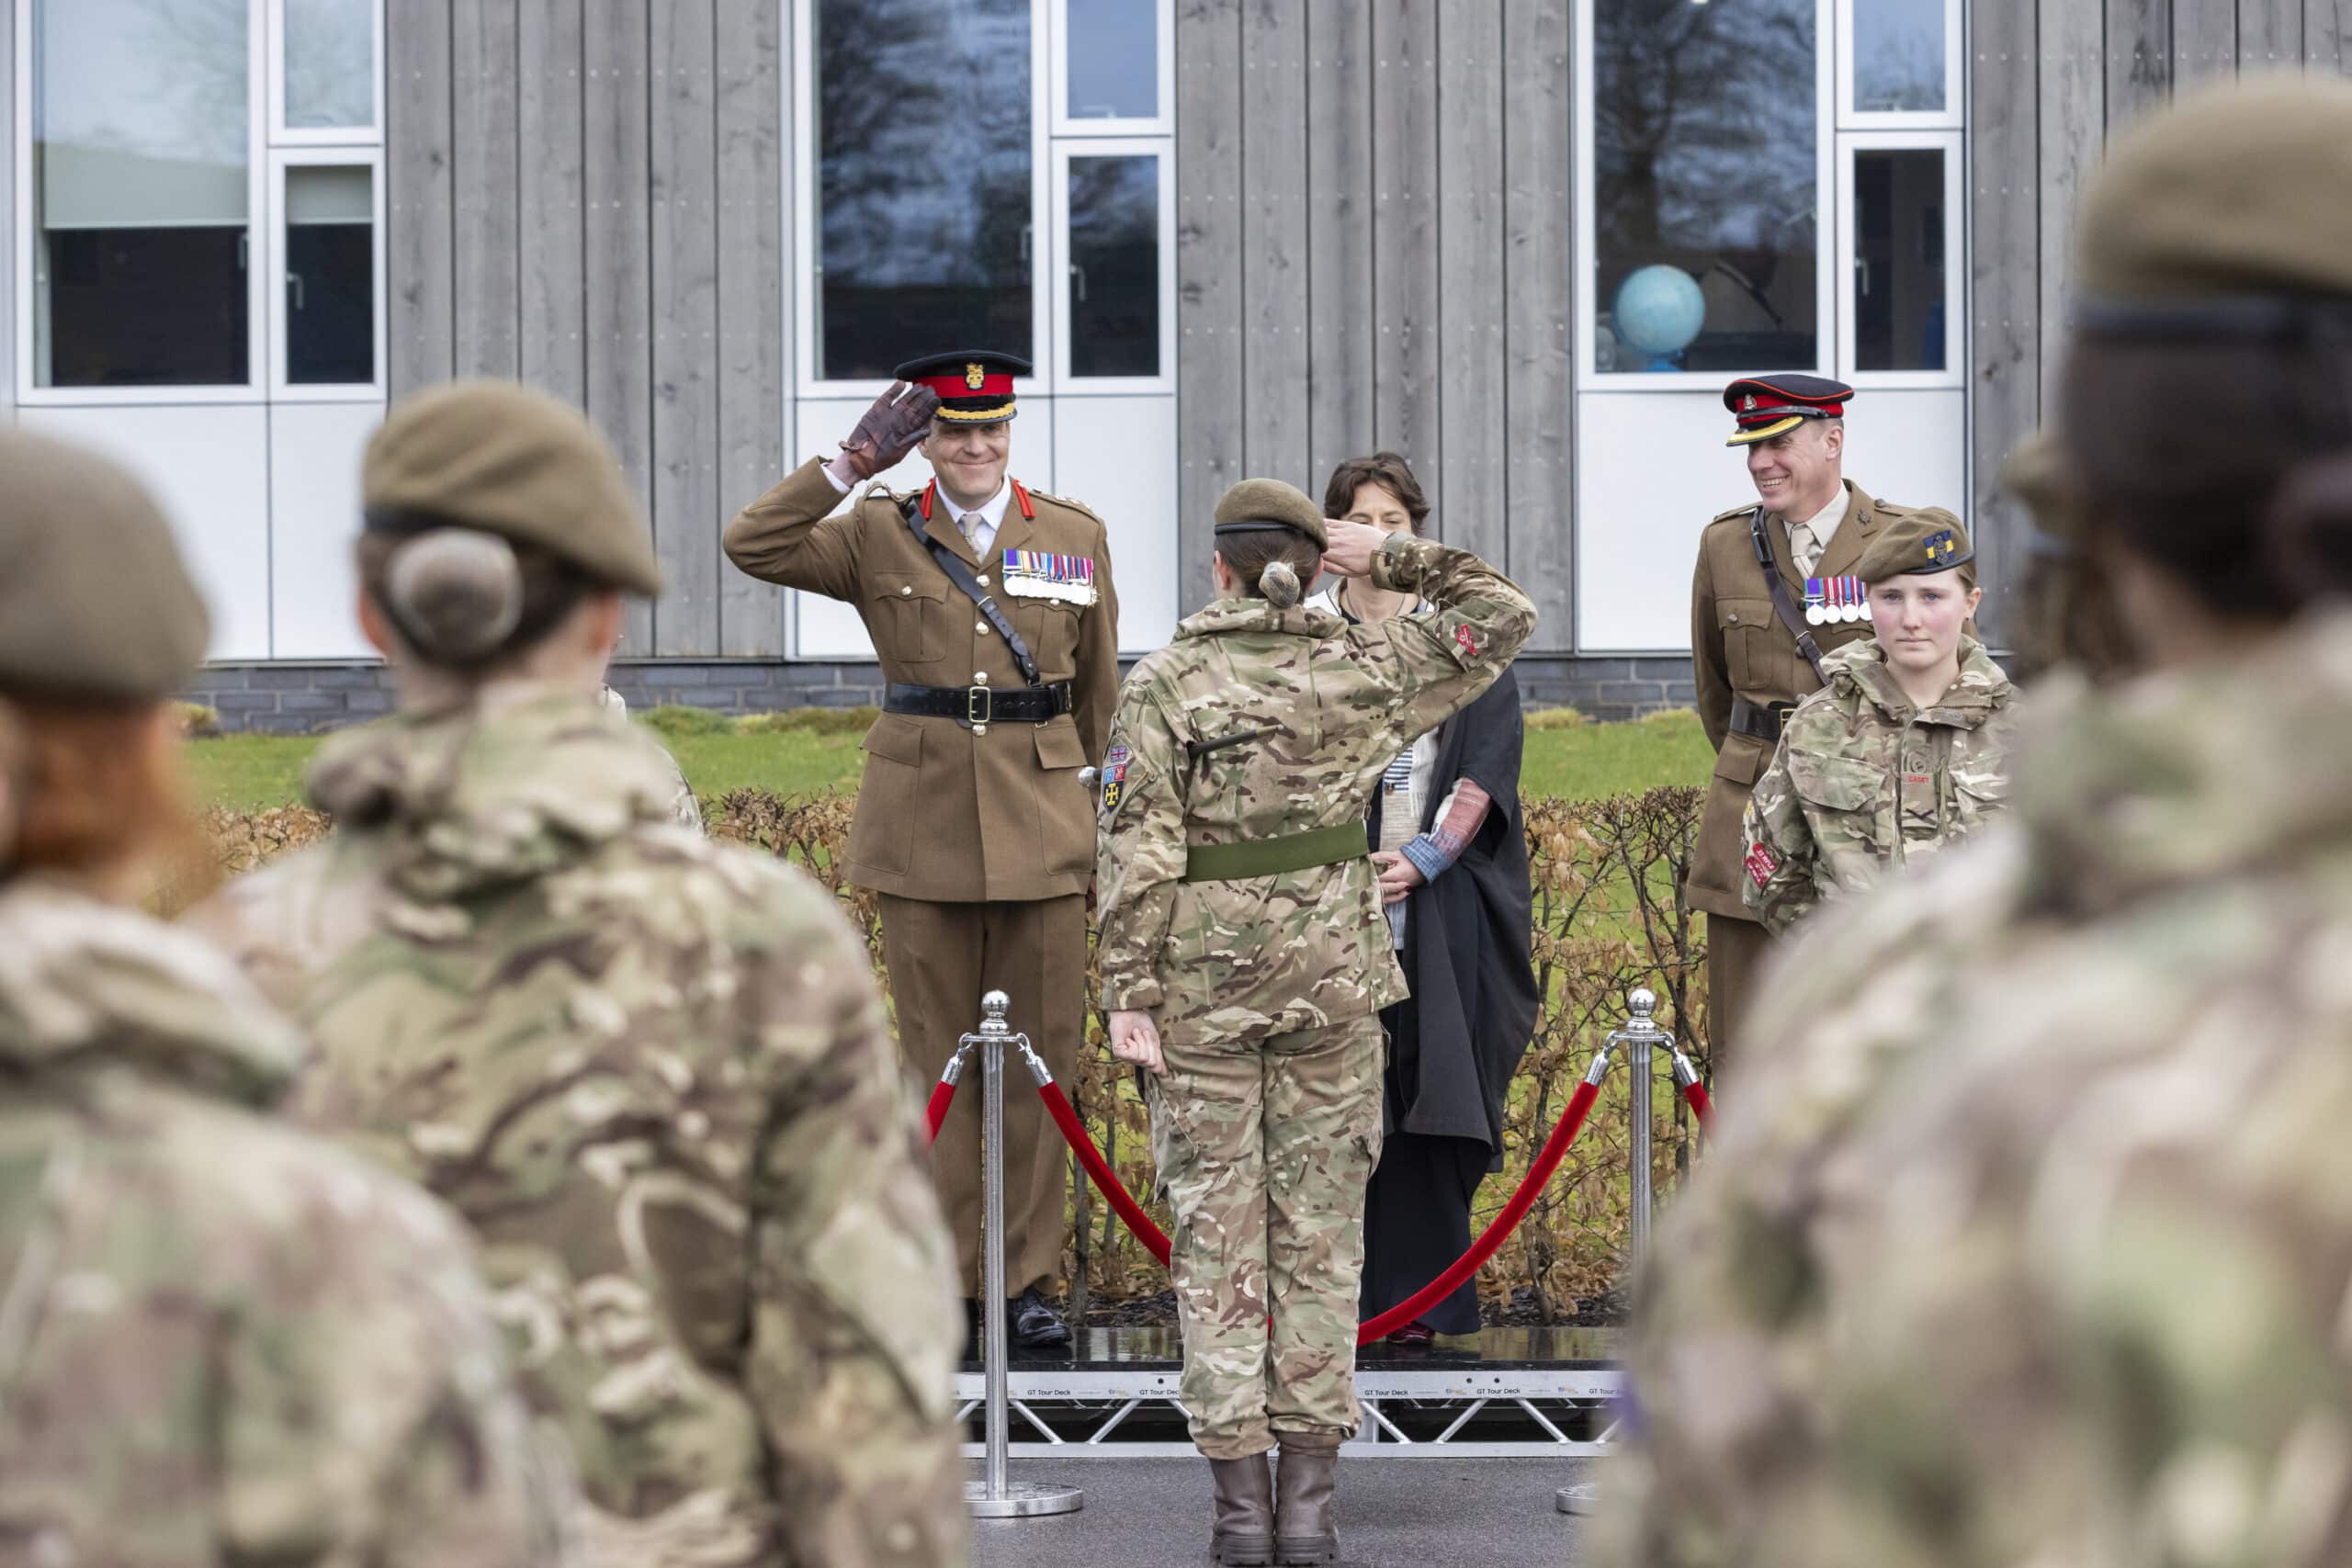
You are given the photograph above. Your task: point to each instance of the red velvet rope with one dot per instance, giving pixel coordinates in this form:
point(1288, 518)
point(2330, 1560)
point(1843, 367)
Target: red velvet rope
point(1701, 1106)
point(943, 1095)
point(1106, 1181)
point(1555, 1149)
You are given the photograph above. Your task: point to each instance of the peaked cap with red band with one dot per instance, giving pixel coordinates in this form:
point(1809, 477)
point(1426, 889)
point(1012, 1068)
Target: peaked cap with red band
point(974, 388)
point(1765, 406)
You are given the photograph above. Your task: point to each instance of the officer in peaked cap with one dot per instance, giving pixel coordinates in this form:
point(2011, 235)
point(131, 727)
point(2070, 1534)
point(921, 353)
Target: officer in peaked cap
point(1754, 648)
point(991, 610)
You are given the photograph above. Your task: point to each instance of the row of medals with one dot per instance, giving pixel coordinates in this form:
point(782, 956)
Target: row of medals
point(1847, 590)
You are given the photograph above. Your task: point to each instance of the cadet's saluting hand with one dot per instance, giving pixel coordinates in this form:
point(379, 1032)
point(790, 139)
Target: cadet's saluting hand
point(1135, 1038)
point(1350, 547)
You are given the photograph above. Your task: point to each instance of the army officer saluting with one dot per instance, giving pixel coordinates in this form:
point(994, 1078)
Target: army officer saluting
point(990, 607)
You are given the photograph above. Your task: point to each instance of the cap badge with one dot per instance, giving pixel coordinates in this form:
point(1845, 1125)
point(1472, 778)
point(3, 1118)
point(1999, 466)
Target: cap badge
point(1747, 403)
point(974, 376)
point(1941, 546)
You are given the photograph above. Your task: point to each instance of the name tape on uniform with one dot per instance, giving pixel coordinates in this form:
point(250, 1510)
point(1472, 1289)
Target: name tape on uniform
point(1037, 574)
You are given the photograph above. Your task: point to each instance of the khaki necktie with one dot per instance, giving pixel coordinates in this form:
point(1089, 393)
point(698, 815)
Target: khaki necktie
point(1804, 549)
point(971, 526)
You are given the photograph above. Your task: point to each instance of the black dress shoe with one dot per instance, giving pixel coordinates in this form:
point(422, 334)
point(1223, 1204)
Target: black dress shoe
point(1032, 1324)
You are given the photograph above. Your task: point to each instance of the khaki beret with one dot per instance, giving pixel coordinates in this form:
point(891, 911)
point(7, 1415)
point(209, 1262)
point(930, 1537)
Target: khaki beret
point(505, 459)
point(94, 601)
point(1256, 504)
point(1914, 544)
point(2242, 189)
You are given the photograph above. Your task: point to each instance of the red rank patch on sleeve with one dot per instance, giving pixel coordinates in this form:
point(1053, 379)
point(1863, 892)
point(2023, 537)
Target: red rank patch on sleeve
point(1761, 865)
point(1465, 642)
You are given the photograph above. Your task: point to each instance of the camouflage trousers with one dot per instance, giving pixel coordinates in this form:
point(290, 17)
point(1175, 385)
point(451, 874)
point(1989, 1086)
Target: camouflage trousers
point(1265, 1149)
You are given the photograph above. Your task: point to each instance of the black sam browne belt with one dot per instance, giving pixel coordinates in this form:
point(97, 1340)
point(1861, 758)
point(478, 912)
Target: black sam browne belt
point(1763, 721)
point(973, 706)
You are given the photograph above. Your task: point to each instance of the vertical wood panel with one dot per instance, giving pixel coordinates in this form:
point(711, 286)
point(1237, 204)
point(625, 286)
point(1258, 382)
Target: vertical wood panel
point(485, 65)
point(1406, 392)
point(684, 198)
point(1471, 404)
point(754, 104)
point(1208, 275)
point(1540, 293)
point(2204, 40)
point(1342, 328)
point(616, 39)
point(2270, 35)
point(9, 238)
point(2003, 291)
point(2327, 25)
point(1274, 240)
point(551, 286)
point(2073, 117)
point(419, 196)
point(2139, 58)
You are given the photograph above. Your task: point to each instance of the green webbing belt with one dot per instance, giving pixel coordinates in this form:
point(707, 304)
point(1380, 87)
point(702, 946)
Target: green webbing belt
point(1266, 857)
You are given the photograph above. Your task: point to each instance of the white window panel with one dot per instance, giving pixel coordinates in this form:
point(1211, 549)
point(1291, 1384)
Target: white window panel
point(1903, 301)
point(905, 279)
point(1115, 300)
point(1118, 456)
point(147, 177)
point(327, 319)
point(1730, 232)
point(1113, 70)
point(315, 514)
point(326, 72)
point(1900, 64)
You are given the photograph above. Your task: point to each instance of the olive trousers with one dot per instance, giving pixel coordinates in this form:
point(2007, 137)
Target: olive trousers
point(1264, 1148)
point(942, 959)
point(1737, 951)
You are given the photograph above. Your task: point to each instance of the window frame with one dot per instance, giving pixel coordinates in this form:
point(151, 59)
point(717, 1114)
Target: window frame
point(27, 247)
point(1951, 116)
point(1070, 384)
point(1587, 255)
point(1065, 124)
point(282, 390)
point(807, 277)
point(283, 135)
point(1954, 373)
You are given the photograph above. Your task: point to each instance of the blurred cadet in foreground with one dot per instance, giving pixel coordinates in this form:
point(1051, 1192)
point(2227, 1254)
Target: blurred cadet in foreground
point(222, 1341)
point(651, 1070)
point(2031, 1243)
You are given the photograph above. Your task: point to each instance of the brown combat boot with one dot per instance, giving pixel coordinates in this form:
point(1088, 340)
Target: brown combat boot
point(1242, 1528)
point(1307, 1502)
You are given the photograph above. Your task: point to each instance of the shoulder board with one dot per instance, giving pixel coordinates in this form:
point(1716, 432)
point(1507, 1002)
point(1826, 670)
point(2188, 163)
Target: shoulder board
point(1737, 511)
point(1065, 501)
point(1893, 508)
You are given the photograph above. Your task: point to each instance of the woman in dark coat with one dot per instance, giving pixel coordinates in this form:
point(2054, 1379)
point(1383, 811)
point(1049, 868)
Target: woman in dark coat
point(1446, 832)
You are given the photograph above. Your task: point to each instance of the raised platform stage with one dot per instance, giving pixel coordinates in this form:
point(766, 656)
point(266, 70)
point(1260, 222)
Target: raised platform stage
point(1516, 1393)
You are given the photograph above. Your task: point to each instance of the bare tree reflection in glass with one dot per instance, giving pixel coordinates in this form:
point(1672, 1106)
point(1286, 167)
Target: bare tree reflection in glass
point(1704, 142)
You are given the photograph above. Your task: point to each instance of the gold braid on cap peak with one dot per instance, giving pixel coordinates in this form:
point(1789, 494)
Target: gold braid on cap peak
point(973, 416)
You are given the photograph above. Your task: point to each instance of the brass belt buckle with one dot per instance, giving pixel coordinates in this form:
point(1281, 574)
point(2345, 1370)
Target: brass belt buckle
point(979, 708)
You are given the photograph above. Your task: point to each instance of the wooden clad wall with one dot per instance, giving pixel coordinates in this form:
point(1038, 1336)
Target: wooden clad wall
point(589, 195)
point(1373, 250)
point(2049, 79)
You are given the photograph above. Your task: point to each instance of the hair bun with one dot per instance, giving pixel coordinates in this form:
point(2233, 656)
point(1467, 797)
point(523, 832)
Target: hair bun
point(1279, 582)
point(455, 593)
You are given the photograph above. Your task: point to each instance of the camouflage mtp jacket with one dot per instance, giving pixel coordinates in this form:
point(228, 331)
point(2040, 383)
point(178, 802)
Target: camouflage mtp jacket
point(1862, 779)
point(655, 1073)
point(1261, 723)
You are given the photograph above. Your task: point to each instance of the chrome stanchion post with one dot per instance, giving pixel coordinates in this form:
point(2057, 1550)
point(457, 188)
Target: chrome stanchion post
point(996, 1496)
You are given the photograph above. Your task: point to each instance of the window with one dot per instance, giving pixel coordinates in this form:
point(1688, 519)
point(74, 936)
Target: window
point(1902, 63)
point(153, 208)
point(1115, 202)
point(1115, 68)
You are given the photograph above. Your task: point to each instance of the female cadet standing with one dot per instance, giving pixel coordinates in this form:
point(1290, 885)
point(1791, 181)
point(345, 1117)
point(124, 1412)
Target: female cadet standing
point(1452, 864)
point(220, 1341)
point(1244, 956)
point(652, 1070)
point(1904, 750)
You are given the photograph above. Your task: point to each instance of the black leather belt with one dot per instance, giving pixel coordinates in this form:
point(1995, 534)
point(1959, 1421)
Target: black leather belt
point(1764, 722)
point(972, 706)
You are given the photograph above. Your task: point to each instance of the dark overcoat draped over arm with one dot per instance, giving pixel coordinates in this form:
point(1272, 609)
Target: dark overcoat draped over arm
point(1467, 942)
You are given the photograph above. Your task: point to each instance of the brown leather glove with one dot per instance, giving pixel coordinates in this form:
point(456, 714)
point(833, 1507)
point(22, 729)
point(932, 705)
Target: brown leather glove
point(898, 420)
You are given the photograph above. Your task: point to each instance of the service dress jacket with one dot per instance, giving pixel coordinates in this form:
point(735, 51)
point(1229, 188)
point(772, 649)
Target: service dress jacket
point(950, 813)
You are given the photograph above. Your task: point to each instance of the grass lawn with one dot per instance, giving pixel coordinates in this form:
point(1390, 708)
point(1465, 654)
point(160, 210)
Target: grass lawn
point(254, 772)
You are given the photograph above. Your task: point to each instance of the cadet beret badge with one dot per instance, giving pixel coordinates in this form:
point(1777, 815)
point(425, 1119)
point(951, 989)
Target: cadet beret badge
point(1941, 546)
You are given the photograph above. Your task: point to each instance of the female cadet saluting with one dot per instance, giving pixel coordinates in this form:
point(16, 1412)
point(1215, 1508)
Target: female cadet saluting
point(1245, 959)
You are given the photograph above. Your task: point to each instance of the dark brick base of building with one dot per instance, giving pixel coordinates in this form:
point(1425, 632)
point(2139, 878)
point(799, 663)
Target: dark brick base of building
point(303, 699)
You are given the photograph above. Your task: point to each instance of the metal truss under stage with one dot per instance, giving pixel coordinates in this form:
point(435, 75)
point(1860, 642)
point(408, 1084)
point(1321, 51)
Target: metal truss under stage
point(1507, 1393)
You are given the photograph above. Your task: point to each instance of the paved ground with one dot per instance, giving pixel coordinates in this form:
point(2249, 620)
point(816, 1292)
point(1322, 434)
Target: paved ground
point(1147, 1513)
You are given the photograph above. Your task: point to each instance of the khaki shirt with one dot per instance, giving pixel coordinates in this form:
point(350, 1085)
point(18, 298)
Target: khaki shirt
point(1320, 708)
point(948, 813)
point(1740, 650)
